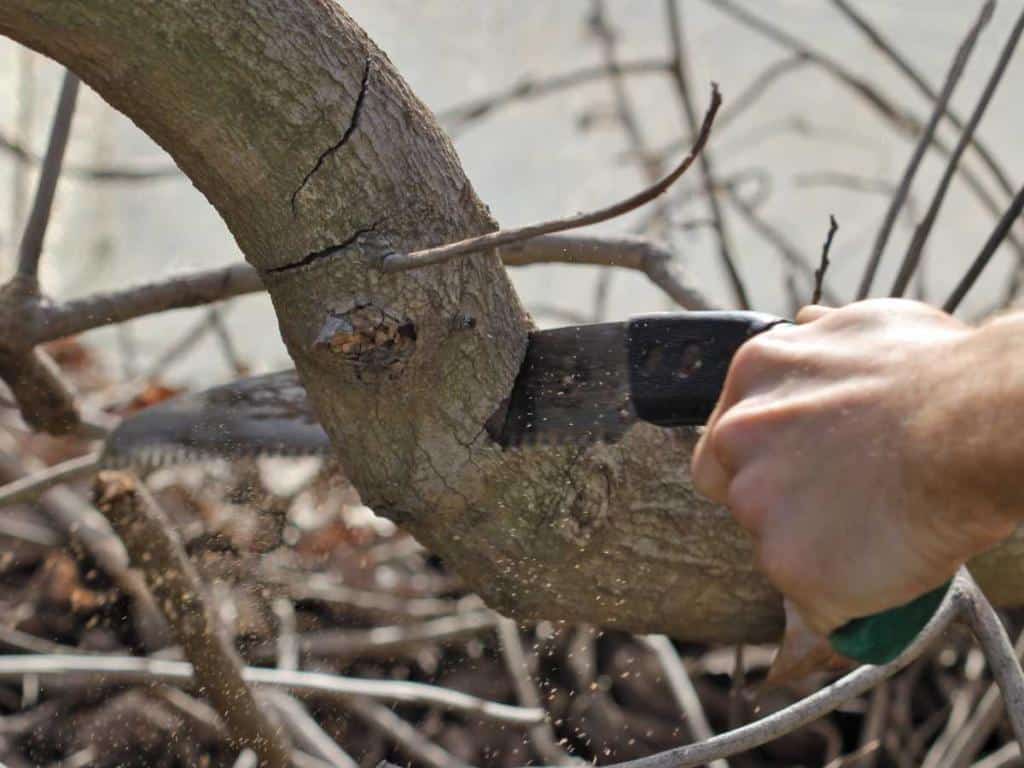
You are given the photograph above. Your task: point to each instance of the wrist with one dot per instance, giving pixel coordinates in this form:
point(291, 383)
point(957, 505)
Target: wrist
point(961, 456)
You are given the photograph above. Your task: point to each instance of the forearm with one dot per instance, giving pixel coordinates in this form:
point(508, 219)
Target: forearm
point(970, 425)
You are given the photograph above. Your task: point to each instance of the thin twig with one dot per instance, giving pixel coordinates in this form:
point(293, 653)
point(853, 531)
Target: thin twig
point(1002, 658)
point(88, 529)
point(177, 292)
point(903, 65)
point(707, 176)
point(807, 709)
point(987, 252)
point(787, 250)
point(1007, 756)
point(683, 691)
point(457, 117)
point(748, 97)
point(26, 101)
point(306, 732)
point(889, 109)
point(967, 740)
point(956, 69)
point(598, 24)
point(653, 259)
point(30, 487)
point(913, 255)
point(156, 549)
point(819, 273)
point(379, 642)
point(94, 172)
point(39, 217)
point(62, 671)
point(542, 735)
point(409, 740)
point(398, 262)
point(44, 396)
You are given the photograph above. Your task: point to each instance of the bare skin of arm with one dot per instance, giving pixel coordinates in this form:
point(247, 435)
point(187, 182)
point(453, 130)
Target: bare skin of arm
point(869, 451)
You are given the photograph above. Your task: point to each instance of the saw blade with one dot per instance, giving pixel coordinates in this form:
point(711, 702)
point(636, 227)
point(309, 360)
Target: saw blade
point(573, 387)
point(578, 384)
point(266, 415)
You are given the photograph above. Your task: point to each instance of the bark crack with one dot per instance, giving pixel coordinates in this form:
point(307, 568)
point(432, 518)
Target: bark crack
point(353, 123)
point(323, 253)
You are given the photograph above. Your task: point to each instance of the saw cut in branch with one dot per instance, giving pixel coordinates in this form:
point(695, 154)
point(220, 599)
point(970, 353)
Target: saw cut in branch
point(399, 262)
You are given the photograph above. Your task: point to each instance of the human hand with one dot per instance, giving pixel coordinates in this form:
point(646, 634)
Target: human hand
point(838, 444)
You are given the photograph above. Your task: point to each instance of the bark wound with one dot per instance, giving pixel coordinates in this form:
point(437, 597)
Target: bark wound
point(375, 341)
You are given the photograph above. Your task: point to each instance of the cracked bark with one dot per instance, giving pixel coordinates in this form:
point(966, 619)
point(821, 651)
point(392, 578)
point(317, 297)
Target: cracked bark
point(245, 95)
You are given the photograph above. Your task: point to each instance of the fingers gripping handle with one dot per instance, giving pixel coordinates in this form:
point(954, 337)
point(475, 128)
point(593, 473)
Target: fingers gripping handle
point(677, 366)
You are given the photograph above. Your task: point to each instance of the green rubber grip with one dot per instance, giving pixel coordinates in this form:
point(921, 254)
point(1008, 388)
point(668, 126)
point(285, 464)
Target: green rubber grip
point(881, 637)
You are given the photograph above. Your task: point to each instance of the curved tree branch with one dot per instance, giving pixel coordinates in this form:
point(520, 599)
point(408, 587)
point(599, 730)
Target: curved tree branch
point(321, 162)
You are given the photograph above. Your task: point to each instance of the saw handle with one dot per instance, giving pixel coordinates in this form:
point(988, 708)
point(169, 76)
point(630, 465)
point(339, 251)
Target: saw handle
point(678, 362)
point(881, 637)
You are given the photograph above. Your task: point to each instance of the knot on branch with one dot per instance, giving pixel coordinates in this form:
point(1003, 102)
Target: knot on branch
point(374, 341)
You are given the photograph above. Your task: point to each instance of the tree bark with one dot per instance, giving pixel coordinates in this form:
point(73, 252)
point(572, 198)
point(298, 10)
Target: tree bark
point(321, 161)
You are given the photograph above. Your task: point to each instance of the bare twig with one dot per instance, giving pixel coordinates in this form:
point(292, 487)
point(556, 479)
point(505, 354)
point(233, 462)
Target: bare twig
point(287, 646)
point(967, 740)
point(39, 217)
point(903, 65)
point(81, 523)
point(227, 344)
point(319, 586)
point(819, 273)
point(913, 255)
point(683, 691)
point(651, 164)
point(398, 262)
point(542, 735)
point(65, 671)
point(681, 78)
point(26, 100)
point(45, 399)
point(413, 743)
point(94, 172)
point(640, 254)
point(1007, 756)
point(306, 732)
point(158, 552)
point(789, 252)
point(29, 488)
point(987, 252)
point(749, 96)
point(886, 107)
point(189, 290)
point(379, 642)
point(956, 69)
point(999, 652)
point(457, 117)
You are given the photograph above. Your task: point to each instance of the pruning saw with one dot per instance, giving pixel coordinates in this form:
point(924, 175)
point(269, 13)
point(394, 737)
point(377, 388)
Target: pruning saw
point(578, 384)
